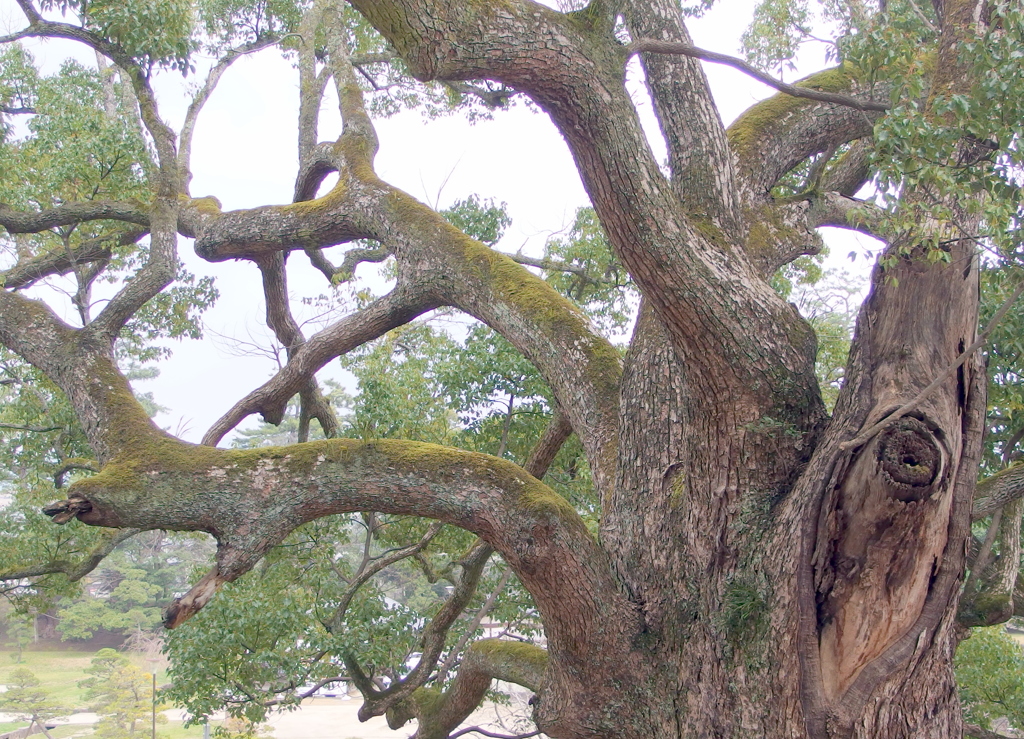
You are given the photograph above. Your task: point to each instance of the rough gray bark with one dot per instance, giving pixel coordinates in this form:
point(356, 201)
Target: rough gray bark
point(756, 575)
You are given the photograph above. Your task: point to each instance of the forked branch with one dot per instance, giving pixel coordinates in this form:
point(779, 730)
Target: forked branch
point(395, 309)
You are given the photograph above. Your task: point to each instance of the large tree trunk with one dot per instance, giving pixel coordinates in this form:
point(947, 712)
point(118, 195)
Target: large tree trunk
point(821, 606)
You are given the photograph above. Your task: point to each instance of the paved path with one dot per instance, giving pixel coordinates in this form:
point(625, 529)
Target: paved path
point(328, 718)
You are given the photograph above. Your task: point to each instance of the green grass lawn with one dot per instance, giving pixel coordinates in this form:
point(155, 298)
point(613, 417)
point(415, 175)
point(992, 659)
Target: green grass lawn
point(169, 730)
point(59, 672)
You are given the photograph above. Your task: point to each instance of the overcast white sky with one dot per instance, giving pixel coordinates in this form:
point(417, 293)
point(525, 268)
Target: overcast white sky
point(245, 154)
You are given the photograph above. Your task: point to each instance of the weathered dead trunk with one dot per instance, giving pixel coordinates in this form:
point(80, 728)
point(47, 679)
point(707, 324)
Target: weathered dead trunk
point(814, 607)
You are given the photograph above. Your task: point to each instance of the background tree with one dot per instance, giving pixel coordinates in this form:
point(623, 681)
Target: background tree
point(19, 635)
point(755, 566)
point(23, 697)
point(988, 669)
point(121, 694)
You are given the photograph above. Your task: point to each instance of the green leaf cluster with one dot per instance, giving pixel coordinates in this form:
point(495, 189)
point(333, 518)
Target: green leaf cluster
point(950, 145)
point(989, 669)
point(604, 290)
point(152, 32)
point(228, 23)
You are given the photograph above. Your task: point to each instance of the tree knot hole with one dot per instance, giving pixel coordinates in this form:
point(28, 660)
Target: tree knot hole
point(910, 459)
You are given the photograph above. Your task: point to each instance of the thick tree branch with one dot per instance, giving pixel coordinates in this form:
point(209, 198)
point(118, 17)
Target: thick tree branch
point(686, 264)
point(851, 171)
point(471, 628)
point(486, 660)
point(991, 602)
point(167, 484)
point(395, 309)
point(358, 136)
point(779, 233)
point(997, 490)
point(775, 135)
point(703, 171)
point(33, 331)
point(976, 732)
point(20, 222)
point(355, 257)
point(61, 261)
point(159, 268)
point(557, 431)
point(316, 164)
point(312, 403)
point(155, 275)
point(447, 267)
point(834, 209)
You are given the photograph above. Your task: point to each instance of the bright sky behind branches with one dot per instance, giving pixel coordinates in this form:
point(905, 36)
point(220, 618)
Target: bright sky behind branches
point(244, 153)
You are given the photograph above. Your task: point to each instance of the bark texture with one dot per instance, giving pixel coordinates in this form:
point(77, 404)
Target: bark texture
point(762, 569)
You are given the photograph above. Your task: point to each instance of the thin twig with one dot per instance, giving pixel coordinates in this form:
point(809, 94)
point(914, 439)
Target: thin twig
point(645, 45)
point(924, 19)
point(33, 429)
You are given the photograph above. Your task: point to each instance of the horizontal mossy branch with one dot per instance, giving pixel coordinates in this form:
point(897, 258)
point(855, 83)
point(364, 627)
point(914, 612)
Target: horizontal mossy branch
point(253, 233)
point(61, 261)
point(22, 222)
point(997, 490)
point(250, 500)
point(439, 713)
